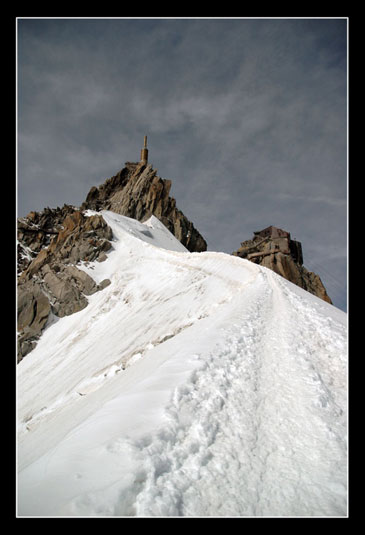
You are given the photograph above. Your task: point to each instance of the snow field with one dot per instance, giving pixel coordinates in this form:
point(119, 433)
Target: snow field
point(152, 298)
point(193, 385)
point(242, 440)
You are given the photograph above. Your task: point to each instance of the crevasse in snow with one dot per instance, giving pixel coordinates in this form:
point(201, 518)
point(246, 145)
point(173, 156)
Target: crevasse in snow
point(195, 384)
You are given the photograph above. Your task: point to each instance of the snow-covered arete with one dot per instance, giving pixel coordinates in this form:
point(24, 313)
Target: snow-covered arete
point(195, 384)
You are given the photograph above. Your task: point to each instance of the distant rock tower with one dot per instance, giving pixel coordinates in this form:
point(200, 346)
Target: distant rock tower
point(144, 152)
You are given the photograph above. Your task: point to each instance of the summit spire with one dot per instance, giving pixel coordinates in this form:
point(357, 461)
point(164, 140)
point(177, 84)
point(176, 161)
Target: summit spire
point(144, 152)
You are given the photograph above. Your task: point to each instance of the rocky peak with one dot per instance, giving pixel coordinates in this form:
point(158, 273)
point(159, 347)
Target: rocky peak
point(138, 192)
point(53, 242)
point(273, 248)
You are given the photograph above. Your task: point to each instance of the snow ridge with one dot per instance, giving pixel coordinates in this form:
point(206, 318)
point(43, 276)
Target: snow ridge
point(196, 384)
point(200, 448)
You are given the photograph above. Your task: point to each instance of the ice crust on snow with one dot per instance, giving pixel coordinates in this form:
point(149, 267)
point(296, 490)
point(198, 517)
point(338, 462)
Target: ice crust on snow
point(195, 384)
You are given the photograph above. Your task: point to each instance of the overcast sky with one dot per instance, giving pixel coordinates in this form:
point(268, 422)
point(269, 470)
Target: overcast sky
point(247, 117)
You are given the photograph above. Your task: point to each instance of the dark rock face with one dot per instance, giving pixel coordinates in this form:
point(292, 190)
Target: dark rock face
point(273, 248)
point(36, 231)
point(33, 312)
point(137, 192)
point(51, 282)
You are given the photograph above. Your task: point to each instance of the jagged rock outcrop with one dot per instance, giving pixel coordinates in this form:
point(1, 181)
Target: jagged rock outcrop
point(137, 192)
point(273, 248)
point(51, 282)
point(33, 311)
point(36, 231)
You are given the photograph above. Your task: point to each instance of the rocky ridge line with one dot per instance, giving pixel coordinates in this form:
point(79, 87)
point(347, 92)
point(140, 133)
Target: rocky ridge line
point(138, 192)
point(51, 243)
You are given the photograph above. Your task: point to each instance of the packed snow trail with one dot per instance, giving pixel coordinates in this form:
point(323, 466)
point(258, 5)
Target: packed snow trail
point(240, 412)
point(240, 440)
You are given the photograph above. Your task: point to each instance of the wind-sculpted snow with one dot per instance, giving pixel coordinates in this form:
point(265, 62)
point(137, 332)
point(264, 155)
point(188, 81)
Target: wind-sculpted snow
point(194, 385)
point(245, 436)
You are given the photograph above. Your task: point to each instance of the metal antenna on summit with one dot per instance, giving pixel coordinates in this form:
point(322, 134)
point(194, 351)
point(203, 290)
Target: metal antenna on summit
point(144, 152)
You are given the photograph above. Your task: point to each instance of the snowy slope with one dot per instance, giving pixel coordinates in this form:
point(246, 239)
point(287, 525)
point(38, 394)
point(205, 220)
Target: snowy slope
point(195, 384)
